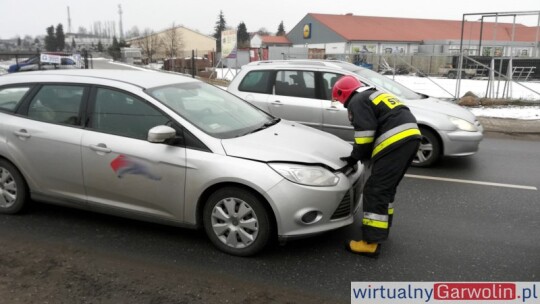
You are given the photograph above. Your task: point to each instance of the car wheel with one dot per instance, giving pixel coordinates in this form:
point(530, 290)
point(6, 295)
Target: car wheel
point(451, 75)
point(13, 189)
point(429, 151)
point(236, 221)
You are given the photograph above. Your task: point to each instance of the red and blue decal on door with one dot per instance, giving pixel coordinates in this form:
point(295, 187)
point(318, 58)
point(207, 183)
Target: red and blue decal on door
point(124, 165)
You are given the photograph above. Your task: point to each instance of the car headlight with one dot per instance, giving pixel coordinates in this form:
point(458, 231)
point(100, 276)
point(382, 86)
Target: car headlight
point(306, 175)
point(463, 124)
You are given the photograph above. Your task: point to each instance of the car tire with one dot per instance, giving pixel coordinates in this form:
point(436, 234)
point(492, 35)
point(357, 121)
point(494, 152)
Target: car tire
point(13, 189)
point(451, 75)
point(236, 221)
point(429, 151)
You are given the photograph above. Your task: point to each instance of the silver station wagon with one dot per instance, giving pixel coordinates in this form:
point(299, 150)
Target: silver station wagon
point(169, 149)
point(301, 90)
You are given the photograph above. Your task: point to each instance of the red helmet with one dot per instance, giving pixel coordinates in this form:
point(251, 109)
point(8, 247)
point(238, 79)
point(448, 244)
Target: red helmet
point(344, 88)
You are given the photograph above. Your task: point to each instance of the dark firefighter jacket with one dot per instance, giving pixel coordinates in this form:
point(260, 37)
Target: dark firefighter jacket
point(381, 123)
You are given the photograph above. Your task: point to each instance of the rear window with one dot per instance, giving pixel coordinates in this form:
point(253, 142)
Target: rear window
point(256, 82)
point(10, 98)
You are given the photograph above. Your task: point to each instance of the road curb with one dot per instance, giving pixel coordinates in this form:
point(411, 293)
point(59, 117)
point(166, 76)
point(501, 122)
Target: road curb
point(510, 125)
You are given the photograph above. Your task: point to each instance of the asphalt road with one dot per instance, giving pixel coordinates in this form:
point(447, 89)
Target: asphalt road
point(105, 64)
point(443, 231)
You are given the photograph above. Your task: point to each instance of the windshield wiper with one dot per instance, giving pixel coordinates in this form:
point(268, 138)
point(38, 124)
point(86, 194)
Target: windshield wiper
point(265, 125)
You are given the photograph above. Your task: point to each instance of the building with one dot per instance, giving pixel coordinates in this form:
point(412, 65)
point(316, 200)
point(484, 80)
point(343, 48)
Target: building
point(174, 43)
point(350, 34)
point(261, 44)
point(87, 41)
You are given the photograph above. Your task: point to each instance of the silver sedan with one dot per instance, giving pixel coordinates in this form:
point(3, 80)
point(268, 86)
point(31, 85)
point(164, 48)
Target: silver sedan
point(173, 150)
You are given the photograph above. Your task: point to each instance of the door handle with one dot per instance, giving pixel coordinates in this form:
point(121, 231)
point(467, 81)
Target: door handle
point(333, 109)
point(100, 148)
point(277, 103)
point(22, 134)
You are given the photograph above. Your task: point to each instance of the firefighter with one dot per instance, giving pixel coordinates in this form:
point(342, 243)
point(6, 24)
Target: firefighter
point(386, 139)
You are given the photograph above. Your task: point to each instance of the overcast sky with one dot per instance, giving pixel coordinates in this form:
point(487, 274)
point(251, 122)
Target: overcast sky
point(32, 17)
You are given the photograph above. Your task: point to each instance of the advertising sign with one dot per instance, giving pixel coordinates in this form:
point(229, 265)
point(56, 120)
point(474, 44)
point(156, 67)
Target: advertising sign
point(228, 42)
point(46, 58)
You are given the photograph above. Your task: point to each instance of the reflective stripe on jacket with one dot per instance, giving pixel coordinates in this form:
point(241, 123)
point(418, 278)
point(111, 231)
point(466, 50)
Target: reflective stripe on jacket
point(381, 122)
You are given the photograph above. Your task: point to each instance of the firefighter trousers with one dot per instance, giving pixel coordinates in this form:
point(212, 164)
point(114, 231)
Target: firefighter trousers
point(380, 190)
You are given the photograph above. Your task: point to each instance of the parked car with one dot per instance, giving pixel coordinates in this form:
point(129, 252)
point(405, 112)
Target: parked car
point(33, 64)
point(301, 90)
point(169, 149)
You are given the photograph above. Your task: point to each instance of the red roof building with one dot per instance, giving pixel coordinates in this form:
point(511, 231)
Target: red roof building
point(258, 41)
point(350, 33)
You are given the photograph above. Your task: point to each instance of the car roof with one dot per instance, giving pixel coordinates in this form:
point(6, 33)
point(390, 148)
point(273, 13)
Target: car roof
point(140, 78)
point(305, 63)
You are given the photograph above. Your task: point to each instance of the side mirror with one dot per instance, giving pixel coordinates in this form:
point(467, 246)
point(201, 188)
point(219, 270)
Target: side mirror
point(160, 134)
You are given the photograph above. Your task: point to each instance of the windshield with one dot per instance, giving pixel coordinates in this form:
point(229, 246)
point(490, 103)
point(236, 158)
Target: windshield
point(212, 110)
point(384, 83)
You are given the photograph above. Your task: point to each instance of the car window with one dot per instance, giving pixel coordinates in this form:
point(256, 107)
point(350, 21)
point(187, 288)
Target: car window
point(295, 83)
point(66, 61)
point(256, 82)
point(122, 114)
point(329, 79)
point(385, 83)
point(57, 104)
point(10, 98)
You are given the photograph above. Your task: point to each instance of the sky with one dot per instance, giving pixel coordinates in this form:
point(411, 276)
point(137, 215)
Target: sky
point(32, 17)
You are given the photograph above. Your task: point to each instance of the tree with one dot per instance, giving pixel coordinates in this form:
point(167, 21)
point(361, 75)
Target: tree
point(50, 39)
point(19, 41)
point(149, 43)
point(99, 46)
point(172, 41)
point(263, 32)
point(242, 36)
point(60, 37)
point(36, 41)
point(281, 30)
point(114, 49)
point(221, 25)
point(73, 44)
point(82, 30)
point(133, 32)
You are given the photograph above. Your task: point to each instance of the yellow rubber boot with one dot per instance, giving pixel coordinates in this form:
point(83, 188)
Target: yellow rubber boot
point(364, 248)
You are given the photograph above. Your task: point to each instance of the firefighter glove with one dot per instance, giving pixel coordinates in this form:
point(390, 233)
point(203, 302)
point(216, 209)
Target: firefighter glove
point(351, 161)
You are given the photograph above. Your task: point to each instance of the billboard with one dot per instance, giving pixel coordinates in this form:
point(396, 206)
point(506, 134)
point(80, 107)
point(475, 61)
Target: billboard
point(228, 43)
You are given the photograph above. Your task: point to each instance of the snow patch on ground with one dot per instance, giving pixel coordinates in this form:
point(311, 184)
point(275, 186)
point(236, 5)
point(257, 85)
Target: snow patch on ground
point(525, 113)
point(446, 88)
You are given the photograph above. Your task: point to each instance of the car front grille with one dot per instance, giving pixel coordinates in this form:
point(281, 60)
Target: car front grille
point(344, 208)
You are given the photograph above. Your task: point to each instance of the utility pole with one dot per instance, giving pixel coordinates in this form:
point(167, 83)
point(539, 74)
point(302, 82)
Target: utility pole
point(69, 21)
point(121, 27)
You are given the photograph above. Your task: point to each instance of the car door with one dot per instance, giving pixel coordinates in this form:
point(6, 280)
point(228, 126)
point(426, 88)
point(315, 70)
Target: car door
point(295, 97)
point(122, 170)
point(45, 138)
point(335, 118)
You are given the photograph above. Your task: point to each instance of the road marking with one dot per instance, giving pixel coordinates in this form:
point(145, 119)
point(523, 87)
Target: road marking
point(464, 181)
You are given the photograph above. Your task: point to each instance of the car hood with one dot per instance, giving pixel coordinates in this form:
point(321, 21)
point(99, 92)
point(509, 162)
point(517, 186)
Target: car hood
point(290, 142)
point(442, 107)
